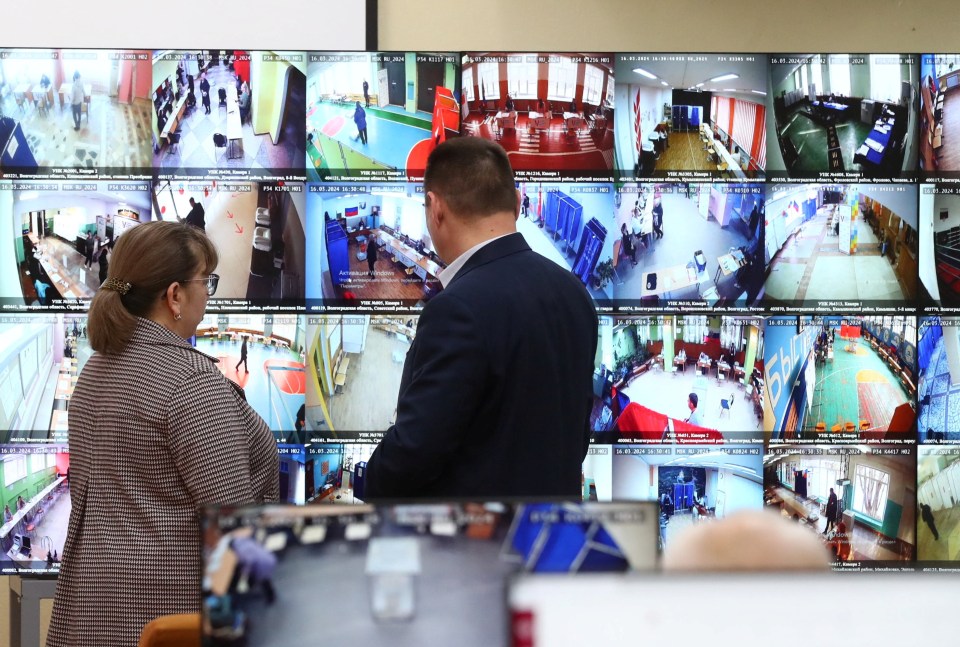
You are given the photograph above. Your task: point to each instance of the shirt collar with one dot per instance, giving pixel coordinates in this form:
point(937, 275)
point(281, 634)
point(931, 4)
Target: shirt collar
point(446, 275)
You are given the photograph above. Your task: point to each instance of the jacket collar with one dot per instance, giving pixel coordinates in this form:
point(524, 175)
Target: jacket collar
point(497, 249)
point(151, 333)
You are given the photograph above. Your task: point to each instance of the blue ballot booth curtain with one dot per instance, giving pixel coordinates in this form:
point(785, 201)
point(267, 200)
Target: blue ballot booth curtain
point(683, 494)
point(928, 343)
point(337, 254)
point(591, 243)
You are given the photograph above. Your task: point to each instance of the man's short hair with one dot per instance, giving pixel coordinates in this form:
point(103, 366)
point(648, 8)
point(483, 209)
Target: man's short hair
point(694, 399)
point(473, 175)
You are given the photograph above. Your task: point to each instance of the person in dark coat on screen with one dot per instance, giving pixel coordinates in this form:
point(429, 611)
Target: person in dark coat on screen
point(243, 357)
point(497, 387)
point(831, 511)
point(360, 119)
point(196, 216)
point(104, 263)
point(372, 248)
point(157, 432)
point(927, 515)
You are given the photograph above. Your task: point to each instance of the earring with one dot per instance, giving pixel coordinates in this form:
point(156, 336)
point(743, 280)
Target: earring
point(178, 316)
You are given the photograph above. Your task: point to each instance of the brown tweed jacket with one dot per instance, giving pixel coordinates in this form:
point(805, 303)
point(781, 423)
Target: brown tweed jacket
point(155, 432)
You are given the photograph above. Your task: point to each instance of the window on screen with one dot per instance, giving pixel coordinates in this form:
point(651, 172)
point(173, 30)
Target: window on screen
point(522, 79)
point(695, 329)
point(11, 393)
point(796, 79)
point(803, 77)
point(343, 77)
point(840, 74)
point(816, 73)
point(870, 492)
point(562, 82)
point(14, 469)
point(884, 79)
point(592, 85)
point(489, 74)
point(468, 84)
point(825, 475)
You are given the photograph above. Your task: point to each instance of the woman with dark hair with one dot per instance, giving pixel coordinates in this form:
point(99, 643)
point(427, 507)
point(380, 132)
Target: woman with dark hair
point(156, 433)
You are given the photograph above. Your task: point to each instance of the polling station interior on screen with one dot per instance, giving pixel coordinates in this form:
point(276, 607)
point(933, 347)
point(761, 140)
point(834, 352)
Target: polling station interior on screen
point(768, 239)
point(402, 568)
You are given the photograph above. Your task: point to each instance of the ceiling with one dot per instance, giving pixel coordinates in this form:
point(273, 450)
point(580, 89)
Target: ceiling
point(37, 200)
point(684, 75)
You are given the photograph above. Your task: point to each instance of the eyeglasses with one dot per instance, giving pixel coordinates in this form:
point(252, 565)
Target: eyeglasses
point(212, 281)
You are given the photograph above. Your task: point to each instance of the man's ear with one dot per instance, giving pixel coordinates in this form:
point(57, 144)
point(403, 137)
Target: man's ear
point(437, 210)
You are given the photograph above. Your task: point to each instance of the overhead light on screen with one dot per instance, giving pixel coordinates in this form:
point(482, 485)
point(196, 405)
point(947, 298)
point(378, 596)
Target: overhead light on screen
point(724, 77)
point(643, 72)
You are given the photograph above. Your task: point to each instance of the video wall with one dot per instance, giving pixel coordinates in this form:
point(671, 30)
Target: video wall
point(769, 241)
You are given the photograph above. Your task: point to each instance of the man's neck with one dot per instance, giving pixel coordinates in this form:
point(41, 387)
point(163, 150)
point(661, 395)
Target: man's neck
point(485, 229)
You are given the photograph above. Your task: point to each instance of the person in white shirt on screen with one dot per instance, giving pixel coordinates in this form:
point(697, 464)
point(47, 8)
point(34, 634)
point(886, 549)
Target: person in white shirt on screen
point(76, 100)
point(694, 418)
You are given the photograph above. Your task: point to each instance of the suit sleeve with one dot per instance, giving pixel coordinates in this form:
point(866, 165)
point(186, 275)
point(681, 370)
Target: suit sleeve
point(442, 390)
point(208, 445)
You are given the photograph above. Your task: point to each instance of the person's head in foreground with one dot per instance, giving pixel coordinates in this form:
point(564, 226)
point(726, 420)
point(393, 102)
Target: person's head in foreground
point(160, 271)
point(748, 540)
point(470, 195)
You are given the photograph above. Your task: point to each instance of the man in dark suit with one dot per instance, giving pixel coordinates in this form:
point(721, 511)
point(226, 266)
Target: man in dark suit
point(196, 216)
point(497, 390)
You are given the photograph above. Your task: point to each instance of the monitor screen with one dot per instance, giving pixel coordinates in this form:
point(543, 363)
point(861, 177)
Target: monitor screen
point(410, 574)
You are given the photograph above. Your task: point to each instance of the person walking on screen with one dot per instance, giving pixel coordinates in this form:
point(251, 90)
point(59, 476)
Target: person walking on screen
point(927, 515)
point(832, 515)
point(244, 102)
point(372, 248)
point(657, 218)
point(360, 118)
point(205, 92)
point(366, 92)
point(497, 387)
point(243, 357)
point(694, 418)
point(88, 245)
point(196, 216)
point(76, 100)
point(104, 264)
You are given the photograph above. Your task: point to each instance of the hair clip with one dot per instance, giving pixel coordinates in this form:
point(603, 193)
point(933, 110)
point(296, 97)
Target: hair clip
point(117, 285)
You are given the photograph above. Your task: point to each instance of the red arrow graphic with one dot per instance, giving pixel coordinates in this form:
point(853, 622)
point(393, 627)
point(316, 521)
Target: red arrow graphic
point(239, 228)
point(229, 214)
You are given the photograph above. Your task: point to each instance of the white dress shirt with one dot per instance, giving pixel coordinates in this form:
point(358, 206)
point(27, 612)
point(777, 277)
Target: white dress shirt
point(446, 275)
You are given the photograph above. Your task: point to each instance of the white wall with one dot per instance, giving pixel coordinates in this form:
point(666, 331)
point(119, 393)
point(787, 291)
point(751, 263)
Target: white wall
point(900, 199)
point(622, 25)
point(118, 23)
point(930, 206)
point(740, 493)
point(632, 479)
point(599, 467)
point(651, 114)
point(929, 216)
